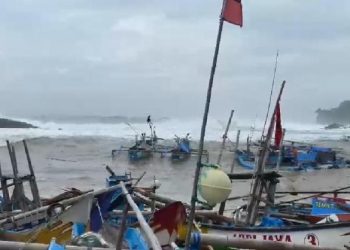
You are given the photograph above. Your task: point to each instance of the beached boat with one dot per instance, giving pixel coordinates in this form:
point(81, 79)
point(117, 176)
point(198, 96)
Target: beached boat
point(294, 158)
point(71, 217)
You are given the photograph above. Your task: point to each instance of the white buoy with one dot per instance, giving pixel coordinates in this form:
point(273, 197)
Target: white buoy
point(214, 185)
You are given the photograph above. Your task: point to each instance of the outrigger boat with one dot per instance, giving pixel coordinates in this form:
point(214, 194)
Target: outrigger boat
point(182, 150)
point(72, 218)
point(295, 158)
point(252, 231)
point(249, 225)
point(81, 221)
point(147, 146)
point(144, 147)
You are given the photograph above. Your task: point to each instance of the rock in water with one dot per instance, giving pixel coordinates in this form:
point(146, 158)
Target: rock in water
point(334, 126)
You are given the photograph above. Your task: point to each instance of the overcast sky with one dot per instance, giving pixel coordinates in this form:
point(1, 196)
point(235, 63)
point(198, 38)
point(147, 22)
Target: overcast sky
point(135, 57)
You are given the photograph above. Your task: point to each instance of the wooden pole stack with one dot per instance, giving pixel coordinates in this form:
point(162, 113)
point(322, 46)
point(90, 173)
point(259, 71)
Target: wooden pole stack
point(18, 199)
point(259, 183)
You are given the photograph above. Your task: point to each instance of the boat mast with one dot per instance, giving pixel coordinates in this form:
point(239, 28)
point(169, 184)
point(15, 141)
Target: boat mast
point(204, 124)
point(224, 137)
point(272, 86)
point(259, 179)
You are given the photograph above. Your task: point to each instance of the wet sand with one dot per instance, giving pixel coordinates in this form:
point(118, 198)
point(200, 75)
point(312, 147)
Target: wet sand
point(80, 162)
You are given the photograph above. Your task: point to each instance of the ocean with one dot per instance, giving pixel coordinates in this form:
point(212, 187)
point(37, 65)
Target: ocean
point(167, 128)
point(74, 154)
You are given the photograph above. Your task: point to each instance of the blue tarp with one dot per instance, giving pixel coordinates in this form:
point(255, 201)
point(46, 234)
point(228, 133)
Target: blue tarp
point(307, 157)
point(268, 221)
point(135, 239)
point(321, 149)
point(104, 205)
point(185, 147)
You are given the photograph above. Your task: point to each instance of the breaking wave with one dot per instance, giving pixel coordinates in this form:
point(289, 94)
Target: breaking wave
point(165, 128)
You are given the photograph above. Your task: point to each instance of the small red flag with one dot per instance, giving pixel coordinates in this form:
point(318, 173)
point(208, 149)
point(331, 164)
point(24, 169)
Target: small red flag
point(232, 12)
point(278, 128)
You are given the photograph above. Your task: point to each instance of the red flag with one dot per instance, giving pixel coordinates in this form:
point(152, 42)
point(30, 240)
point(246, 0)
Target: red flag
point(232, 12)
point(278, 128)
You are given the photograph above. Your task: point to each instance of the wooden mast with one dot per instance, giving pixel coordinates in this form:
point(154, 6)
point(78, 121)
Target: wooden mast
point(259, 183)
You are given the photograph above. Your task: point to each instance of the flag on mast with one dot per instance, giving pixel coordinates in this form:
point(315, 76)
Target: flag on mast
point(232, 12)
point(278, 128)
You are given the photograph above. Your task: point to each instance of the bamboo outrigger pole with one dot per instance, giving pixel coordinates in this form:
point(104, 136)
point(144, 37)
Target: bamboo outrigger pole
point(204, 124)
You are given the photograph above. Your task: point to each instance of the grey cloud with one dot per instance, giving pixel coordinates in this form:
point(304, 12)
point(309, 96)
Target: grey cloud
point(135, 57)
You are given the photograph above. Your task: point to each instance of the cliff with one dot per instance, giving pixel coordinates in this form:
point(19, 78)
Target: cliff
point(7, 123)
point(340, 114)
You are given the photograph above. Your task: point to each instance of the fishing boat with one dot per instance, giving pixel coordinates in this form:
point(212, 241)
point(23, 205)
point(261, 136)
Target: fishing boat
point(182, 149)
point(295, 158)
point(143, 147)
point(71, 217)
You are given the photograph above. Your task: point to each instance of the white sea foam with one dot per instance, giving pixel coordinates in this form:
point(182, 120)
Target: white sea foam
point(167, 129)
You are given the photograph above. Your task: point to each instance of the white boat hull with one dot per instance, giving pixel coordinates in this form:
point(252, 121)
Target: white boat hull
point(326, 235)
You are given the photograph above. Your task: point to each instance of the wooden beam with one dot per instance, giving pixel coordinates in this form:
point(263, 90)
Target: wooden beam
point(18, 192)
point(32, 181)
